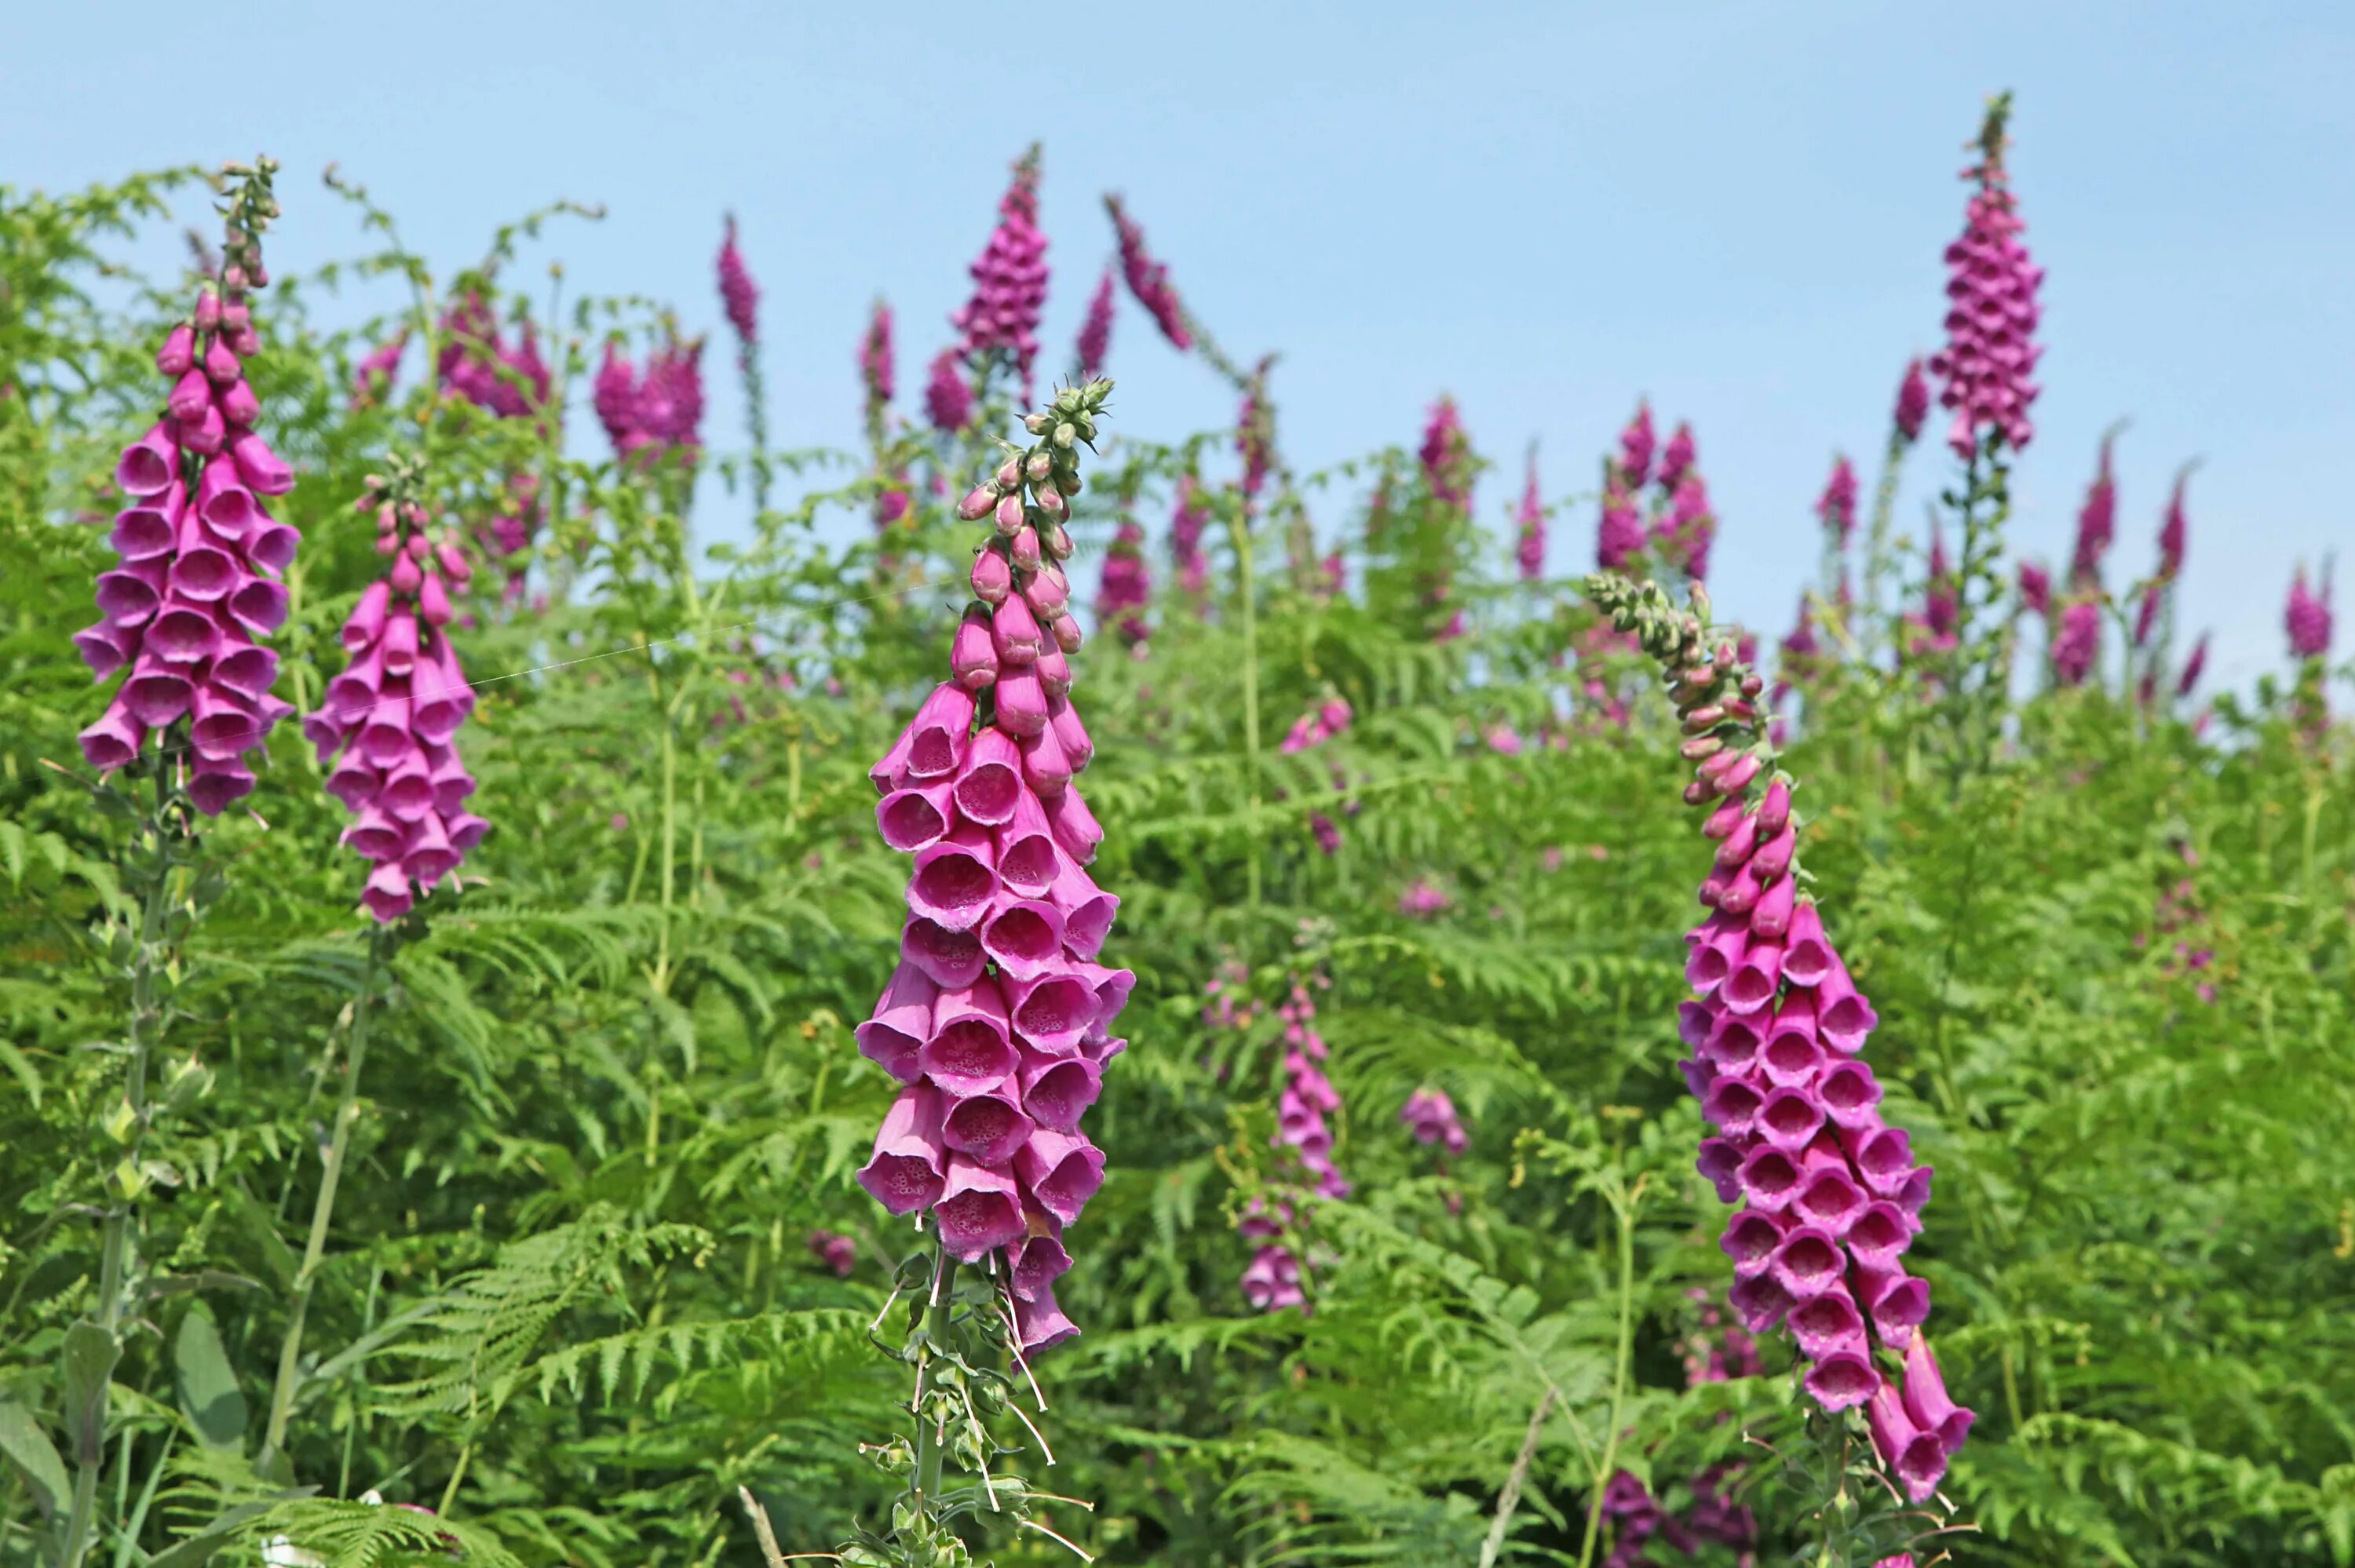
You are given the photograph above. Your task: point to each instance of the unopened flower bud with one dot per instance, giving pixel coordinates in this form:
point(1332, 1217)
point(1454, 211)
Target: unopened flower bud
point(993, 579)
point(1753, 683)
point(1050, 500)
point(1009, 474)
point(976, 505)
point(1038, 467)
point(1068, 633)
point(1009, 514)
point(1055, 542)
point(1025, 548)
point(1701, 747)
point(1034, 423)
point(1066, 433)
point(1704, 718)
point(207, 315)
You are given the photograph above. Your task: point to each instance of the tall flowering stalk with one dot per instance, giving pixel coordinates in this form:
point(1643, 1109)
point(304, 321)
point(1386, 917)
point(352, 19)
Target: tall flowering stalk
point(1009, 282)
point(1187, 521)
point(653, 416)
point(740, 300)
point(1448, 469)
point(1275, 1279)
point(996, 1020)
point(948, 400)
point(198, 586)
point(1095, 332)
point(1830, 1194)
point(1149, 280)
point(1906, 418)
point(393, 716)
point(1984, 368)
point(1127, 586)
point(2306, 621)
point(1529, 524)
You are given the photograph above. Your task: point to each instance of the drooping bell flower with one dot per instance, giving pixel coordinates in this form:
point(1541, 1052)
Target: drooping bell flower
point(387, 727)
point(1992, 311)
point(1429, 1115)
point(740, 296)
point(2098, 520)
point(997, 1019)
point(1529, 526)
point(1149, 280)
point(1913, 404)
point(948, 400)
point(1271, 1281)
point(201, 582)
point(1009, 280)
point(1836, 507)
point(1831, 1195)
point(1095, 330)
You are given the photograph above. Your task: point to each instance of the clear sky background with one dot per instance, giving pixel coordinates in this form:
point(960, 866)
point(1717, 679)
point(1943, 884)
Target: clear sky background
point(1545, 209)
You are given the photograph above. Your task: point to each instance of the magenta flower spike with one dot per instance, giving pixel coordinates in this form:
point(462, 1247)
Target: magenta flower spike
point(997, 1015)
point(2077, 642)
point(1095, 331)
point(2307, 618)
point(1836, 507)
point(1619, 537)
point(1529, 526)
point(740, 296)
point(395, 711)
point(2174, 529)
point(1992, 309)
point(1009, 281)
point(2098, 520)
point(1829, 1192)
point(1127, 586)
point(1913, 404)
point(1446, 455)
point(201, 558)
point(1637, 444)
point(1149, 280)
point(1186, 525)
point(948, 397)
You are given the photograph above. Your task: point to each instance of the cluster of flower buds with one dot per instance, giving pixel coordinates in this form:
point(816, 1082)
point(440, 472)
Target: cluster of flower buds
point(1149, 280)
point(1429, 1115)
point(1836, 507)
point(388, 723)
point(202, 556)
point(2180, 917)
point(997, 1018)
point(1529, 526)
point(1009, 280)
point(740, 296)
point(1913, 404)
point(1992, 312)
point(1831, 1195)
point(649, 416)
point(2306, 617)
point(1446, 455)
point(1682, 525)
point(1935, 627)
point(1127, 586)
point(1637, 444)
point(1714, 1517)
point(2077, 639)
point(1255, 432)
point(478, 364)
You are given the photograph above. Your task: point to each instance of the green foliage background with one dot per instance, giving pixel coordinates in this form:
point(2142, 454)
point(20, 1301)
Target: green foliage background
point(569, 1299)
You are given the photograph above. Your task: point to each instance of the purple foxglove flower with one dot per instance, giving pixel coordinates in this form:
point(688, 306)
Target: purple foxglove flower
point(910, 1160)
point(1060, 1171)
point(1149, 280)
point(1186, 526)
point(739, 297)
point(1009, 280)
point(1676, 460)
point(2174, 529)
point(1095, 331)
point(948, 397)
point(2035, 588)
point(972, 659)
point(1913, 403)
point(988, 1127)
point(970, 1050)
point(1926, 1404)
point(1898, 1303)
point(2306, 619)
point(1842, 1379)
point(1058, 1091)
point(876, 371)
point(1023, 935)
point(914, 817)
point(2077, 642)
point(979, 1209)
point(2097, 520)
point(1752, 1240)
point(1127, 586)
point(1446, 456)
point(988, 789)
point(1636, 445)
point(2192, 667)
point(955, 879)
point(1087, 909)
point(950, 958)
point(1990, 350)
point(1917, 1459)
point(1075, 826)
point(1836, 507)
point(1528, 522)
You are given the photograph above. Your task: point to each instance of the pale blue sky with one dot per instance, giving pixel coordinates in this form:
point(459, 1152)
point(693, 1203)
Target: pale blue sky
point(1546, 210)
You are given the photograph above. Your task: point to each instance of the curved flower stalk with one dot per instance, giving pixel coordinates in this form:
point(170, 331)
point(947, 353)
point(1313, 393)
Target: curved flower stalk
point(1149, 280)
point(1095, 332)
point(387, 727)
point(1009, 282)
point(1831, 1197)
point(200, 581)
point(1991, 320)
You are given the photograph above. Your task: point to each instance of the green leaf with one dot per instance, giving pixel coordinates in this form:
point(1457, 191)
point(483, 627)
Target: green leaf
point(34, 1455)
point(209, 1391)
point(87, 1361)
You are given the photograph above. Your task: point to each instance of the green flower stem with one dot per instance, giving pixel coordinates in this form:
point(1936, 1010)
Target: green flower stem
point(289, 1354)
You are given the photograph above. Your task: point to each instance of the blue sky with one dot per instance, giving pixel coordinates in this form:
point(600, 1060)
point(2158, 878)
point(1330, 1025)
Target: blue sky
point(1546, 210)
